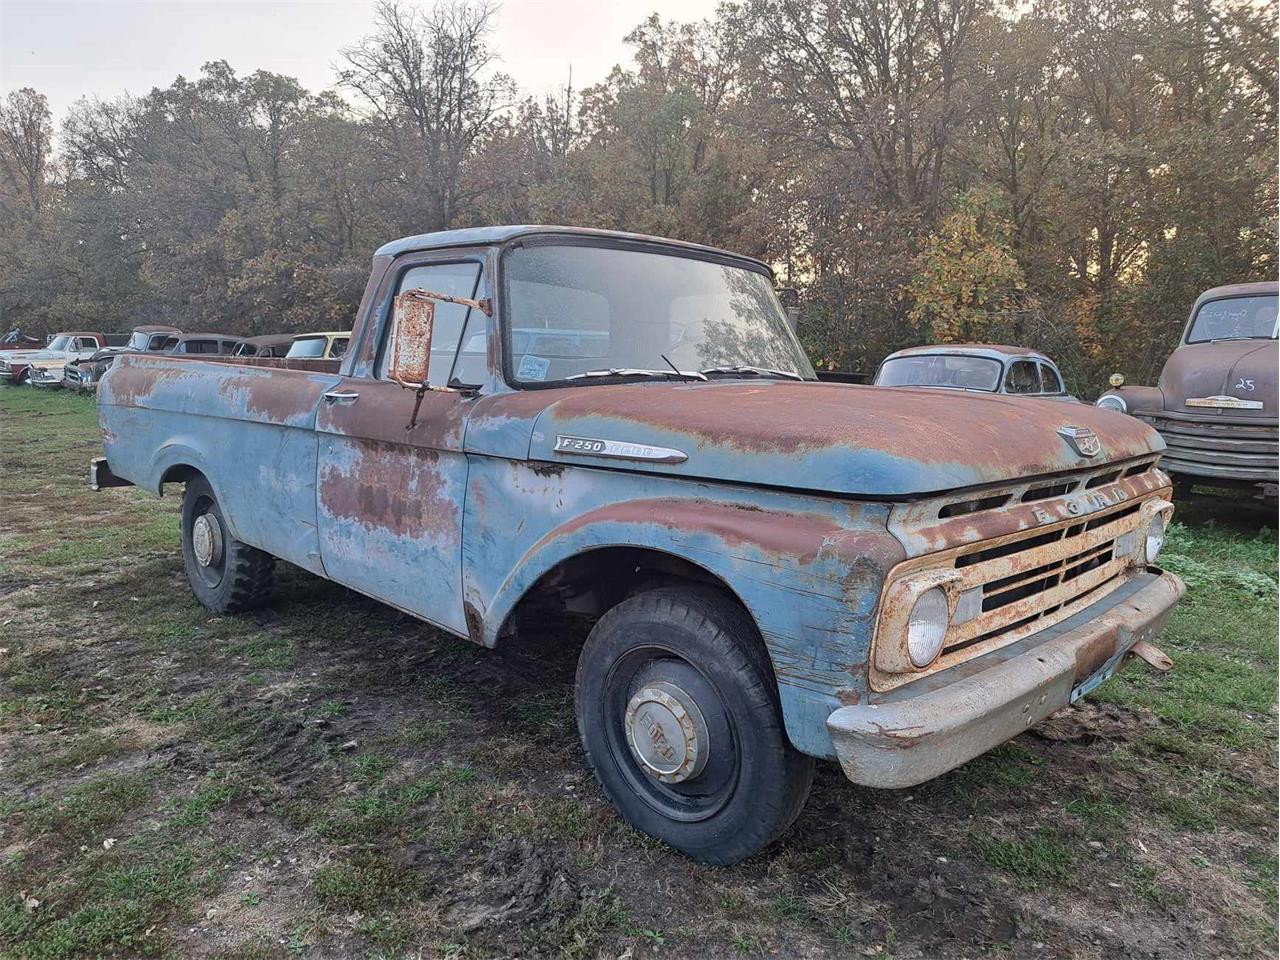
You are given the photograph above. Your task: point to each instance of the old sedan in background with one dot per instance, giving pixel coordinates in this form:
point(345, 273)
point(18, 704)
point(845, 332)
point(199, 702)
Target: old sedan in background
point(980, 367)
point(1215, 403)
point(319, 346)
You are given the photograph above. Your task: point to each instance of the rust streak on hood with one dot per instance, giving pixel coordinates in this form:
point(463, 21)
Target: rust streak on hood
point(840, 438)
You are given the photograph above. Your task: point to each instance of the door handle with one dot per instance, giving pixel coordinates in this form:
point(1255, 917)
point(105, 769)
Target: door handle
point(337, 396)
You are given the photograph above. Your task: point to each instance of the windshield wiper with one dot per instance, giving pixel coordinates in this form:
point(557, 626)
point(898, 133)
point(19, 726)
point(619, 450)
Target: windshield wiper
point(636, 372)
point(744, 368)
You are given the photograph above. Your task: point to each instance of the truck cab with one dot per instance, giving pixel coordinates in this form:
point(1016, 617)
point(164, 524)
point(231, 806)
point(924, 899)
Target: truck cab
point(776, 570)
point(1215, 403)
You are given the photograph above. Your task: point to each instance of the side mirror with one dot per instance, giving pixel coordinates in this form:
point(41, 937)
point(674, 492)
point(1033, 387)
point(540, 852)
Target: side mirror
point(413, 317)
point(412, 320)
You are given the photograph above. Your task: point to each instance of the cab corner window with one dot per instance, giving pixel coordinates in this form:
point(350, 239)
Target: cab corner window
point(1022, 377)
point(1051, 382)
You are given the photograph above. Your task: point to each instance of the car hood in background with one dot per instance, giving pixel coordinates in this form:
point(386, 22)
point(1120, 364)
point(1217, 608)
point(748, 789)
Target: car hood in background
point(1244, 369)
point(853, 440)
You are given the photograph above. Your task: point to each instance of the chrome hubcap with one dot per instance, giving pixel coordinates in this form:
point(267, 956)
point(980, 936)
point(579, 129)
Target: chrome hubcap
point(666, 732)
point(206, 540)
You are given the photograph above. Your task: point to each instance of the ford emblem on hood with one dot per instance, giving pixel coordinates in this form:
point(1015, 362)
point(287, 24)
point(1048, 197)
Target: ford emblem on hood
point(1084, 440)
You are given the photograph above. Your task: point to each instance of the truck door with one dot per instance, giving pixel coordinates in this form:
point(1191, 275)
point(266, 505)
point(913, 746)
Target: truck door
point(389, 499)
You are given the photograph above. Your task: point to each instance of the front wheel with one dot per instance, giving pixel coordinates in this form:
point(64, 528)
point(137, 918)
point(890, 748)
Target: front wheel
point(679, 717)
point(226, 575)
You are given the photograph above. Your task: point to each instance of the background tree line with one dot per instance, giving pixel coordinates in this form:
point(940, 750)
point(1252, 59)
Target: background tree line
point(1066, 174)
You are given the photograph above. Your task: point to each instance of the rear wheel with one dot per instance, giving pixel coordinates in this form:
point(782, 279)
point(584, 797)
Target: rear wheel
point(226, 575)
point(679, 716)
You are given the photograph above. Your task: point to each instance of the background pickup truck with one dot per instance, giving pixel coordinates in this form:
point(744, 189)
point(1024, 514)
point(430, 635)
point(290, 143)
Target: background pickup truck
point(777, 569)
point(1216, 401)
point(45, 365)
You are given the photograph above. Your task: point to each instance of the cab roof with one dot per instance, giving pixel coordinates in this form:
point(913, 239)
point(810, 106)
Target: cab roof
point(1238, 290)
point(488, 236)
point(992, 351)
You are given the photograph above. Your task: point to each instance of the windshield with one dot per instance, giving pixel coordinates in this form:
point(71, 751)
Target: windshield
point(940, 370)
point(138, 340)
point(574, 310)
point(1235, 318)
point(307, 347)
point(60, 343)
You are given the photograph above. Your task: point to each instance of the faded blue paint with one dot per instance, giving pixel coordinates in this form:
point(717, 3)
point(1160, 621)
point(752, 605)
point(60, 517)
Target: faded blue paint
point(808, 570)
point(456, 519)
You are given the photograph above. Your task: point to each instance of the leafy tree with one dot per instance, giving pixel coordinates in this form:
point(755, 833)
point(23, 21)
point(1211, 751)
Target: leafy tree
point(970, 287)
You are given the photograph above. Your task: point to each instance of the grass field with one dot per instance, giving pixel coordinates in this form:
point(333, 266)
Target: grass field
point(328, 777)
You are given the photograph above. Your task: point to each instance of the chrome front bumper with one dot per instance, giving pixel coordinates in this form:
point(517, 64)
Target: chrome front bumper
point(922, 730)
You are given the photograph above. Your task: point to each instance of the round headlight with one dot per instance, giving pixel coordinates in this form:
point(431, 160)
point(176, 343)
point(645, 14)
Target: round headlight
point(1110, 401)
point(927, 627)
point(1155, 537)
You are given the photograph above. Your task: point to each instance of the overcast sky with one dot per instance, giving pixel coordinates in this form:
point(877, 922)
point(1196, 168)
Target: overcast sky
point(71, 48)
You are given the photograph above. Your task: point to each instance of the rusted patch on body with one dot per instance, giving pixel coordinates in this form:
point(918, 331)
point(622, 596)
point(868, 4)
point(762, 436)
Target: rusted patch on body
point(1091, 656)
point(790, 535)
point(389, 487)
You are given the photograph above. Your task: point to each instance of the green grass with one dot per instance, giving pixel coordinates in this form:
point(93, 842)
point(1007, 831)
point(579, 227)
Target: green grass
point(1044, 856)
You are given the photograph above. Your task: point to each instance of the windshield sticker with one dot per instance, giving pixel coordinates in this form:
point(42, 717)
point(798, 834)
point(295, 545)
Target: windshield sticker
point(533, 368)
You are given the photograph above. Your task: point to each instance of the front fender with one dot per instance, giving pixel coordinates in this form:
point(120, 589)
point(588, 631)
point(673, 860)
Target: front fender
point(808, 570)
point(1138, 399)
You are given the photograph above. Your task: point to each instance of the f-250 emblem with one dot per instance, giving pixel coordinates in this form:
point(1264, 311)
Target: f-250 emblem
point(1244, 384)
point(618, 449)
point(1084, 440)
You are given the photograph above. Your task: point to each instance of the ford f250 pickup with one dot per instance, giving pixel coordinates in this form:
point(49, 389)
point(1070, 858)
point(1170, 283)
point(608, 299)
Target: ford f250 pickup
point(777, 569)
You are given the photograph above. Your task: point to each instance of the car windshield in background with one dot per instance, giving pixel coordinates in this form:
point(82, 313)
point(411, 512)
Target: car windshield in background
point(1235, 318)
point(579, 311)
point(307, 347)
point(139, 341)
point(940, 370)
point(60, 343)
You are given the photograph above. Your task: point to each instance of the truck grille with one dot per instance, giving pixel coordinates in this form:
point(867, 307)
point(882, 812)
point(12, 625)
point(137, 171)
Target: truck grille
point(1024, 582)
point(1029, 581)
point(1219, 448)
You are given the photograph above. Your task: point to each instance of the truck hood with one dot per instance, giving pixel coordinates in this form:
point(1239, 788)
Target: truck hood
point(870, 441)
point(1244, 369)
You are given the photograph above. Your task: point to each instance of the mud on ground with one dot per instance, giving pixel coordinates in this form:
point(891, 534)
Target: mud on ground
point(329, 778)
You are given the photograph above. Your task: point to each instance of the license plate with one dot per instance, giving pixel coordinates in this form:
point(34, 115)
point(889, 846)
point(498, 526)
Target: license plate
point(1095, 681)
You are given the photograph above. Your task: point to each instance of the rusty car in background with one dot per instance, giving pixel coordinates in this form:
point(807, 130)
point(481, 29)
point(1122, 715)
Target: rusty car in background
point(44, 366)
point(83, 373)
point(330, 345)
point(269, 345)
point(15, 339)
point(1215, 403)
point(776, 569)
point(978, 367)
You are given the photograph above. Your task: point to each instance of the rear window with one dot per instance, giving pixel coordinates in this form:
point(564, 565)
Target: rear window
point(940, 370)
point(308, 348)
point(1235, 318)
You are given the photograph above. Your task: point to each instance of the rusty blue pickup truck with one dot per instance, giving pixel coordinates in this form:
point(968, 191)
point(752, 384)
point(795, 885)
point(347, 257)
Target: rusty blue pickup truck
point(775, 569)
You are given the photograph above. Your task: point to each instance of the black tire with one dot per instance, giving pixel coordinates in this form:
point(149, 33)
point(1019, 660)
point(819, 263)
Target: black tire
point(704, 645)
point(239, 577)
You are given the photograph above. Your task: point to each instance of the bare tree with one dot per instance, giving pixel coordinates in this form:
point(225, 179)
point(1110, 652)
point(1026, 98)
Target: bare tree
point(26, 128)
point(428, 77)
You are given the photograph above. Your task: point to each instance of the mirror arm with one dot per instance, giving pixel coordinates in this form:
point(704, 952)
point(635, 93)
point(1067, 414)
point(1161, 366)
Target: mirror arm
point(485, 306)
